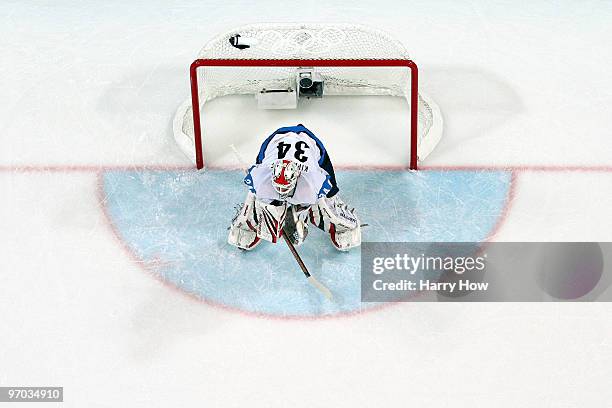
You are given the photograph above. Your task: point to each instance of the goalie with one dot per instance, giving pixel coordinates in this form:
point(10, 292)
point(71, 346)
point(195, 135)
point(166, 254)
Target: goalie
point(292, 183)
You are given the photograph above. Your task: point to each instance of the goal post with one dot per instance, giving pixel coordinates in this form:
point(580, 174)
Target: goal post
point(348, 59)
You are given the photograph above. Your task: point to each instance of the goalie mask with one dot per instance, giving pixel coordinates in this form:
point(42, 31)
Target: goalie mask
point(285, 174)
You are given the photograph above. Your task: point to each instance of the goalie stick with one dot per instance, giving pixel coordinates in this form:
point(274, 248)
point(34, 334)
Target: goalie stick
point(311, 279)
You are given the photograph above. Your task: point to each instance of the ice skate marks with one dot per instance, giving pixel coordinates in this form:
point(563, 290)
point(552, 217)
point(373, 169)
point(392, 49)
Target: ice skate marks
point(175, 224)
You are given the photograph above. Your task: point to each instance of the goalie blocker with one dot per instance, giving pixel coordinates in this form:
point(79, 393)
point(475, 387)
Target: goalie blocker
point(292, 184)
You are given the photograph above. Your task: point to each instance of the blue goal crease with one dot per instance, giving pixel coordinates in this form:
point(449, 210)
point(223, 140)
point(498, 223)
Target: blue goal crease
point(178, 221)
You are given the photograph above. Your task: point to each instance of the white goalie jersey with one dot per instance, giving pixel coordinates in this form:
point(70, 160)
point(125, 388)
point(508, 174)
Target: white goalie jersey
point(298, 144)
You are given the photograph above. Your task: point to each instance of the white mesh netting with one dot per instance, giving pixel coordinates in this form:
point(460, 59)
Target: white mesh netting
point(308, 41)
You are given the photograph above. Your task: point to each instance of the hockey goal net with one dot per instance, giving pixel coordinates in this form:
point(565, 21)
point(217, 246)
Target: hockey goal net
point(349, 59)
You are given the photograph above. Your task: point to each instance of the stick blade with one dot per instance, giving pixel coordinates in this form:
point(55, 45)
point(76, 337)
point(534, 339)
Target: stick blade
point(326, 292)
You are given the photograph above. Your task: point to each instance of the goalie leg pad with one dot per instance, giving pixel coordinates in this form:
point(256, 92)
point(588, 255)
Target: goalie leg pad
point(271, 219)
point(345, 240)
point(255, 221)
point(332, 215)
point(243, 238)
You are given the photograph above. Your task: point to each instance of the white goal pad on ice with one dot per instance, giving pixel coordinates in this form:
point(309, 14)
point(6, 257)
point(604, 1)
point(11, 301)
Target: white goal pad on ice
point(280, 63)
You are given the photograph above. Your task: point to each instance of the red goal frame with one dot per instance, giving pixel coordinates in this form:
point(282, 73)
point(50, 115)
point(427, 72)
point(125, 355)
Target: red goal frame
point(409, 64)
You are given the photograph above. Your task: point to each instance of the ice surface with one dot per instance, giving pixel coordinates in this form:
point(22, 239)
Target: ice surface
point(91, 85)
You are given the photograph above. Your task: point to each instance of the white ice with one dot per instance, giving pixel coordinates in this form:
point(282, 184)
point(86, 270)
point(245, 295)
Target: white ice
point(88, 85)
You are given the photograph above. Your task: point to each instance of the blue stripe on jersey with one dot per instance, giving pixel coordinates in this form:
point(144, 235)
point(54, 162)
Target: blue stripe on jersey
point(291, 129)
point(248, 180)
point(325, 187)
